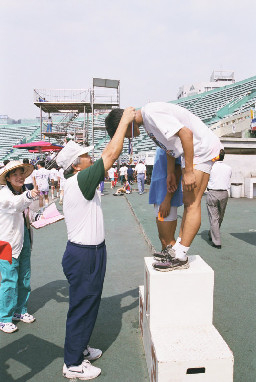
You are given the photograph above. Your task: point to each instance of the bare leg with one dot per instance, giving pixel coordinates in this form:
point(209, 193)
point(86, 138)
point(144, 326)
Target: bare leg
point(166, 231)
point(46, 200)
point(191, 220)
point(41, 201)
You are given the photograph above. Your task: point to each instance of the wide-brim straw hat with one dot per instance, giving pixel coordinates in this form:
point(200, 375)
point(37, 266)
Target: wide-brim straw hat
point(70, 153)
point(28, 169)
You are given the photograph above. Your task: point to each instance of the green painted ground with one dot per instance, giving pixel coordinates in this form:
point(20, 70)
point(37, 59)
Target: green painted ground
point(35, 352)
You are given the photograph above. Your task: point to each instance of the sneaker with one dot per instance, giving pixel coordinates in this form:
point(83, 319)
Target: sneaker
point(8, 327)
point(168, 251)
point(91, 354)
point(85, 371)
point(171, 265)
point(27, 318)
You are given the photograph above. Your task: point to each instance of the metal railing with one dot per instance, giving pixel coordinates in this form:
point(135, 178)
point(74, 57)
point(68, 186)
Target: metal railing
point(61, 95)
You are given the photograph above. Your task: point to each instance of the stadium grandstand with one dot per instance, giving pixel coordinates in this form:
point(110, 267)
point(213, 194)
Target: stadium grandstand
point(231, 103)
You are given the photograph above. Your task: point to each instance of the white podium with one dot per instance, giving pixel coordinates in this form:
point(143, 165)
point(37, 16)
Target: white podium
point(180, 342)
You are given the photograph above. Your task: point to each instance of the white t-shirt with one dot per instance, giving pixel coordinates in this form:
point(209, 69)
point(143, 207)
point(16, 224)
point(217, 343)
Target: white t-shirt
point(123, 170)
point(54, 174)
point(42, 177)
point(140, 168)
point(84, 218)
point(163, 120)
point(111, 173)
point(220, 176)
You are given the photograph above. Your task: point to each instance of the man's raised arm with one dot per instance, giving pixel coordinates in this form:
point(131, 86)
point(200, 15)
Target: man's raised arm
point(115, 146)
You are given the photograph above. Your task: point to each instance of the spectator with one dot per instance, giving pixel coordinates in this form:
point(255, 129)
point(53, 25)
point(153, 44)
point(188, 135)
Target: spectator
point(111, 175)
point(123, 173)
point(130, 174)
point(61, 184)
point(54, 181)
point(140, 170)
point(49, 125)
point(15, 283)
point(29, 184)
point(41, 183)
point(126, 189)
point(217, 197)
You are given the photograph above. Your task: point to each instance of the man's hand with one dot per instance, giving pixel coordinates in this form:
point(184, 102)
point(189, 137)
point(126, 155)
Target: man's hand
point(171, 182)
point(189, 180)
point(128, 115)
point(164, 208)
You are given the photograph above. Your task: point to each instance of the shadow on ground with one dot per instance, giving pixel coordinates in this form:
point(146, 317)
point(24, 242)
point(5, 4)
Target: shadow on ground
point(110, 317)
point(55, 290)
point(248, 237)
point(26, 357)
point(205, 237)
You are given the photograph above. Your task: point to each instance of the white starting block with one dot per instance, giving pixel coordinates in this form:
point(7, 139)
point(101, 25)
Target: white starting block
point(184, 346)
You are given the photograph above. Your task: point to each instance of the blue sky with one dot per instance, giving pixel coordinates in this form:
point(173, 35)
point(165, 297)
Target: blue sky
point(152, 47)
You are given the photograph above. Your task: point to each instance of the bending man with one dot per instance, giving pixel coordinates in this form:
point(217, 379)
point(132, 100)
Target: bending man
point(178, 132)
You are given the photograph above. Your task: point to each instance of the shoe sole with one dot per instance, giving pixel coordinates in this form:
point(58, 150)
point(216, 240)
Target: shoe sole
point(81, 379)
point(185, 266)
point(9, 332)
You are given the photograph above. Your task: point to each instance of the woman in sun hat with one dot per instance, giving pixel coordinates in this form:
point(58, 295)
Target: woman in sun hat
point(15, 237)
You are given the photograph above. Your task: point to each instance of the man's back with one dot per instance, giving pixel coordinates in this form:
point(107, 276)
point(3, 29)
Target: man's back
point(162, 122)
point(220, 176)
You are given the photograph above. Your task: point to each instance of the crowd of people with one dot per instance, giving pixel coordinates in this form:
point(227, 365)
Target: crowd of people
point(186, 163)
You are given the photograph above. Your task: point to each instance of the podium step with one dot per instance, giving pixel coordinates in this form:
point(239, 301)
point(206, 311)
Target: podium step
point(185, 354)
point(183, 297)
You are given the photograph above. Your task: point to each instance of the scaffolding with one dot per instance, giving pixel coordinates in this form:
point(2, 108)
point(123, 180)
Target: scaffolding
point(69, 103)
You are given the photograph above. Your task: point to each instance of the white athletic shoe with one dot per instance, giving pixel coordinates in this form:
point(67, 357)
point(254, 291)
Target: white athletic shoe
point(91, 354)
point(27, 318)
point(85, 371)
point(8, 327)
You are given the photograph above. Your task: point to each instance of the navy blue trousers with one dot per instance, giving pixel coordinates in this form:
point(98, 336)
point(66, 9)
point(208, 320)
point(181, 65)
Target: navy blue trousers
point(84, 267)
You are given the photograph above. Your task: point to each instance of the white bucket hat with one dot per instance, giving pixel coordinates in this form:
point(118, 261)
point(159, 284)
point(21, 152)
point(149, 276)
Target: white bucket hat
point(28, 169)
point(70, 153)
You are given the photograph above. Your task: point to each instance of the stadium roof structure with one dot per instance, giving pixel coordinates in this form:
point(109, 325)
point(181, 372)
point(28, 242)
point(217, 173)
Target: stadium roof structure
point(220, 103)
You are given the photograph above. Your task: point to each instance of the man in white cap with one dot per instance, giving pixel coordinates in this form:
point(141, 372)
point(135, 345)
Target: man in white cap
point(84, 261)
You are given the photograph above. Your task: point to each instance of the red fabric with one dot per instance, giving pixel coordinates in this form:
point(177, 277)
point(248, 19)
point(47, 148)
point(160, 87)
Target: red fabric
point(5, 251)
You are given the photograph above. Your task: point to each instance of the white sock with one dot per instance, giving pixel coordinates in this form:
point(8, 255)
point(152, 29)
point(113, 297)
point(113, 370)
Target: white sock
point(177, 243)
point(181, 252)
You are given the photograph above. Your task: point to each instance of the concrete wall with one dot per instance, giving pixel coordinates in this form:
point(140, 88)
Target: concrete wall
point(243, 166)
